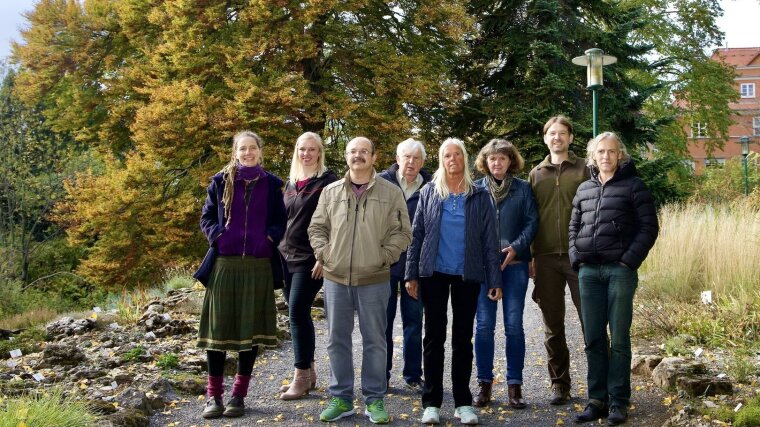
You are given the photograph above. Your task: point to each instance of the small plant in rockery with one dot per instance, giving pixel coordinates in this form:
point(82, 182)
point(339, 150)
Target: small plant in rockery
point(178, 278)
point(749, 415)
point(168, 361)
point(740, 366)
point(28, 341)
point(52, 408)
point(133, 354)
point(129, 305)
point(678, 345)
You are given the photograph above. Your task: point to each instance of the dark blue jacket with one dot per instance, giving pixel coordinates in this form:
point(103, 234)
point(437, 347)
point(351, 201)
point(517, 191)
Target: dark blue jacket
point(212, 216)
point(481, 249)
point(516, 218)
point(397, 269)
point(614, 222)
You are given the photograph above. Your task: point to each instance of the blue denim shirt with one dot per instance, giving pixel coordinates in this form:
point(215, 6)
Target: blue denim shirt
point(450, 257)
point(481, 248)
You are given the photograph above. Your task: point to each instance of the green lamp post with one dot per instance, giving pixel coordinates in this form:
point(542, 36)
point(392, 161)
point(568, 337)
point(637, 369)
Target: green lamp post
point(594, 59)
point(744, 141)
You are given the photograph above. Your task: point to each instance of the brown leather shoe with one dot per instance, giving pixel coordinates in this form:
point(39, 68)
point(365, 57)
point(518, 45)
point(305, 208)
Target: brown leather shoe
point(515, 396)
point(483, 397)
point(560, 395)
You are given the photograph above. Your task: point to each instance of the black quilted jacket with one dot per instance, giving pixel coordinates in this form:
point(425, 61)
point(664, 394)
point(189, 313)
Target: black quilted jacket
point(614, 222)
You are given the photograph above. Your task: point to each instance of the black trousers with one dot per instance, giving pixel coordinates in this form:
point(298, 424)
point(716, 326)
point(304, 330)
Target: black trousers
point(434, 292)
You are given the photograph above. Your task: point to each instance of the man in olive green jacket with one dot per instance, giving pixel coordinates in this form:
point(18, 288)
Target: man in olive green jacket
point(360, 227)
point(554, 182)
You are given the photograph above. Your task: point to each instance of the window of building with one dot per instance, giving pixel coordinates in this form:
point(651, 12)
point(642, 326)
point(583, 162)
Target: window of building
point(699, 130)
point(715, 162)
point(747, 90)
point(756, 126)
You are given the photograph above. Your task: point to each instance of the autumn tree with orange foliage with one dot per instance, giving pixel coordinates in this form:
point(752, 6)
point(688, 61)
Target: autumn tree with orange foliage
point(155, 89)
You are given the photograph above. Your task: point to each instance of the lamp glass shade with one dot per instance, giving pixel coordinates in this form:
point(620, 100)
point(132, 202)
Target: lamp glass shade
point(745, 148)
point(594, 69)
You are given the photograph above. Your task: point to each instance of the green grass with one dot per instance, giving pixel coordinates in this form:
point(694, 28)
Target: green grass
point(51, 409)
point(178, 278)
point(28, 341)
point(133, 354)
point(168, 361)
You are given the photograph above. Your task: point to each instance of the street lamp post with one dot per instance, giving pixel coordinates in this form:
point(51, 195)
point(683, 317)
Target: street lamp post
point(594, 59)
point(745, 153)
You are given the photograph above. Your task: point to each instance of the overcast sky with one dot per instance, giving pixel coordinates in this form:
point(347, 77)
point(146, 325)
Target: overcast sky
point(740, 22)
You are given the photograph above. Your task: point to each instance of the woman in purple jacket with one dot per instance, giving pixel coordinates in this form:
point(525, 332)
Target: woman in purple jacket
point(308, 176)
point(243, 219)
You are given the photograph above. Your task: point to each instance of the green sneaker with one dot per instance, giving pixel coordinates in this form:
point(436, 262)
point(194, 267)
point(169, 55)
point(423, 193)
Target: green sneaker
point(376, 412)
point(337, 409)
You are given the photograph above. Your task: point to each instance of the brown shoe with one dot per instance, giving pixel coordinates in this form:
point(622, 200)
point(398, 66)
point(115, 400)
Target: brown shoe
point(560, 395)
point(483, 397)
point(515, 396)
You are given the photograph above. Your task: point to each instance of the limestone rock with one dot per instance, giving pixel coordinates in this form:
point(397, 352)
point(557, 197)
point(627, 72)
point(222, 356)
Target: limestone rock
point(703, 385)
point(61, 355)
point(67, 326)
point(671, 368)
point(644, 364)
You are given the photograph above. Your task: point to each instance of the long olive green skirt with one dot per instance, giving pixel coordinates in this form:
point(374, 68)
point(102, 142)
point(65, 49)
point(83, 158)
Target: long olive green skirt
point(239, 310)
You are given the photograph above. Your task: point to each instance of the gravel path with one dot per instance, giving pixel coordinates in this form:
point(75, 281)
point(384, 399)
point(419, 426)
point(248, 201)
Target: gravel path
point(264, 407)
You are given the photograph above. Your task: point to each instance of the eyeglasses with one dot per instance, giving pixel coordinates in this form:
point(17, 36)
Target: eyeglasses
point(363, 152)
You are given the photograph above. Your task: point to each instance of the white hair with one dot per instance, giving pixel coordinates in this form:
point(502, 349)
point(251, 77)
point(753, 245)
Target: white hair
point(410, 145)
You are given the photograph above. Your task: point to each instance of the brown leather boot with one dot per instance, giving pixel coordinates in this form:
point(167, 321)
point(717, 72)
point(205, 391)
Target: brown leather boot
point(515, 396)
point(299, 387)
point(483, 397)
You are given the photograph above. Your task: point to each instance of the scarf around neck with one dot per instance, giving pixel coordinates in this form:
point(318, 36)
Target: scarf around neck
point(249, 173)
point(499, 191)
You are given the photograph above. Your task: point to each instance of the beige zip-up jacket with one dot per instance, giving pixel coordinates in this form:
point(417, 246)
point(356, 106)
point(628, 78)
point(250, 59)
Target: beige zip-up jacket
point(357, 240)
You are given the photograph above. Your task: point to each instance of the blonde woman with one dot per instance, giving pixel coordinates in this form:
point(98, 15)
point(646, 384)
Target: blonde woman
point(454, 249)
point(243, 219)
point(308, 176)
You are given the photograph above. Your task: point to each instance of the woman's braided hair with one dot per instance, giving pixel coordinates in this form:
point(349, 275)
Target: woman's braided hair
point(230, 169)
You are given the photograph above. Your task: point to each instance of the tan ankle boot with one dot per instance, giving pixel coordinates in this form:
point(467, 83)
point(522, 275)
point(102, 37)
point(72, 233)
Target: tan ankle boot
point(299, 387)
point(313, 376)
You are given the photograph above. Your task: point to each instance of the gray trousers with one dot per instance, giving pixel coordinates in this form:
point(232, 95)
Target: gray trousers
point(370, 302)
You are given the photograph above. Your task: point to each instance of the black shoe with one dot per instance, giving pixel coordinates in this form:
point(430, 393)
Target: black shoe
point(560, 395)
point(235, 407)
point(591, 413)
point(618, 415)
point(213, 409)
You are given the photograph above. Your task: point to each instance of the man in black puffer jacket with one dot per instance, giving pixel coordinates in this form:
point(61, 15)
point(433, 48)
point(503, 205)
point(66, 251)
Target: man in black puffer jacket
point(612, 228)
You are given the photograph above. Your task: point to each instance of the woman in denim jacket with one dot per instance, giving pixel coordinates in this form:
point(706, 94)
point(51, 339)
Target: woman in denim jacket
point(516, 225)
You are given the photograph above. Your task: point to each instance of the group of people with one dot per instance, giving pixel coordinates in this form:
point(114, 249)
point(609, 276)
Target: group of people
point(371, 239)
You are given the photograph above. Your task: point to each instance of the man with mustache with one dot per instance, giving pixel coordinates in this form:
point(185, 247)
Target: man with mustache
point(360, 227)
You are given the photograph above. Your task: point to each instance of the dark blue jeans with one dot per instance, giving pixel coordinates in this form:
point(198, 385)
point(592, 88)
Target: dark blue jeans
point(411, 319)
point(607, 292)
point(300, 293)
point(515, 282)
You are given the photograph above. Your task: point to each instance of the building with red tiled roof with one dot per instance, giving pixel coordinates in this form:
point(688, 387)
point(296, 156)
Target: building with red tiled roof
point(746, 117)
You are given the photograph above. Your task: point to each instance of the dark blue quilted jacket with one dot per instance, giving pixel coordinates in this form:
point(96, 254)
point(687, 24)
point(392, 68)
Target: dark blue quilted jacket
point(481, 252)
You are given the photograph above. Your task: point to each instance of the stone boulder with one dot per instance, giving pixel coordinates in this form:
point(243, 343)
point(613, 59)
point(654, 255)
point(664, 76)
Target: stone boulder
point(670, 369)
point(704, 385)
point(128, 418)
point(61, 355)
point(133, 398)
point(644, 364)
point(68, 326)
